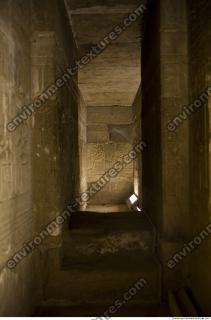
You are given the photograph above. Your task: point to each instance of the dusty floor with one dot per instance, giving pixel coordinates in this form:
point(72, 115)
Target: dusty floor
point(104, 256)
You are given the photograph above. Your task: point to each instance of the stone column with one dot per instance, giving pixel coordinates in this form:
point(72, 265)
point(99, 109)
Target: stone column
point(45, 130)
point(175, 144)
point(55, 119)
point(166, 161)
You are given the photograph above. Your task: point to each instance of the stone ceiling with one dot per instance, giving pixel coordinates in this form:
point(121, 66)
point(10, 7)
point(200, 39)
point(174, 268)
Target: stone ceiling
point(113, 78)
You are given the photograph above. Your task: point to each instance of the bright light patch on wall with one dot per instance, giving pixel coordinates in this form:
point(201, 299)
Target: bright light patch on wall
point(136, 184)
point(138, 209)
point(133, 199)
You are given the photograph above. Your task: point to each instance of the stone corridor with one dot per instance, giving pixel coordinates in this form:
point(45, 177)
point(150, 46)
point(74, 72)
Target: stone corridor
point(105, 158)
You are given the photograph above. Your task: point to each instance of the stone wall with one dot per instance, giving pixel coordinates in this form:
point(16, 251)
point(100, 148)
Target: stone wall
point(55, 126)
point(82, 132)
point(39, 160)
point(18, 222)
point(200, 164)
point(109, 137)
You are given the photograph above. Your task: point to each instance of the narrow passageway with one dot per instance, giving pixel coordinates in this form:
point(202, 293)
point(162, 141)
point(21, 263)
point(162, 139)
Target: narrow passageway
point(109, 121)
point(108, 249)
point(105, 158)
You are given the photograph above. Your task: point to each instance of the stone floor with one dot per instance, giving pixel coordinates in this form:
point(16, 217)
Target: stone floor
point(103, 257)
point(159, 310)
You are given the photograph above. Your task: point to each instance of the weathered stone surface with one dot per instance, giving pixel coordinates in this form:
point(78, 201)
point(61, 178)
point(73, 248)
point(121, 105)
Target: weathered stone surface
point(101, 158)
point(165, 162)
point(109, 115)
point(115, 82)
point(70, 143)
point(109, 137)
point(82, 132)
point(199, 14)
point(31, 157)
point(116, 192)
point(110, 81)
point(111, 74)
point(78, 4)
point(120, 133)
point(16, 214)
point(97, 133)
point(114, 250)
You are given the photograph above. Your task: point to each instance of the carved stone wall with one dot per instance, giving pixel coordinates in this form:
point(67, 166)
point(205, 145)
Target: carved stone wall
point(19, 286)
point(39, 160)
point(55, 125)
point(109, 137)
point(82, 137)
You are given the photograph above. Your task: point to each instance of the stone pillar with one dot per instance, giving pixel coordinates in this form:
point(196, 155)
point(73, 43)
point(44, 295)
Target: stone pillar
point(19, 283)
point(82, 137)
point(55, 120)
point(45, 130)
point(200, 147)
point(175, 144)
point(166, 163)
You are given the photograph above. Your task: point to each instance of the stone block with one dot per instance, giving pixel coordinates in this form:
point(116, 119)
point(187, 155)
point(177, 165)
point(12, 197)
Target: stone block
point(109, 115)
point(120, 133)
point(173, 14)
point(115, 192)
point(100, 159)
point(173, 43)
point(97, 133)
point(174, 79)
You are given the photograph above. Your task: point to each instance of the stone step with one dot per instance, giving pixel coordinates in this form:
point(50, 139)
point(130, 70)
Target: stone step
point(97, 233)
point(91, 310)
point(121, 260)
point(103, 256)
point(86, 248)
point(98, 222)
point(105, 280)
